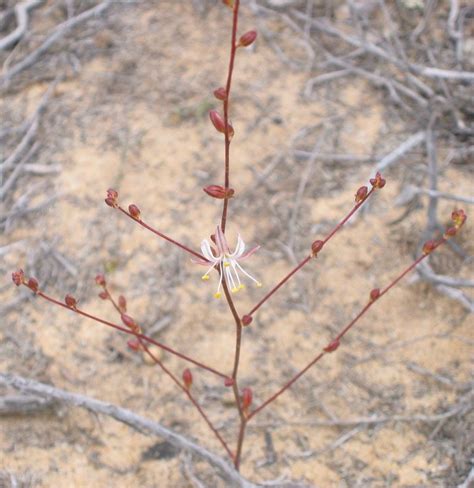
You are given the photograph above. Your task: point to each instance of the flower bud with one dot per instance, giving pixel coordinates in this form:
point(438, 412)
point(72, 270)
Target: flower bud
point(459, 217)
point(104, 295)
point(332, 346)
point(128, 321)
point(429, 247)
point(134, 211)
point(112, 197)
point(228, 382)
point(122, 303)
point(18, 277)
point(217, 121)
point(33, 284)
point(134, 345)
point(229, 3)
point(70, 301)
point(361, 194)
point(374, 294)
point(450, 232)
point(187, 378)
point(218, 191)
point(100, 280)
point(220, 93)
point(248, 38)
point(246, 320)
point(246, 398)
point(316, 246)
point(378, 181)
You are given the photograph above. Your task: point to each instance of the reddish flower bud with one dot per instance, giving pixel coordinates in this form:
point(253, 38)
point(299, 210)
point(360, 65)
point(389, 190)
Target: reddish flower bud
point(374, 294)
point(229, 382)
point(70, 301)
point(220, 93)
point(247, 320)
point(104, 295)
point(100, 280)
point(111, 199)
point(134, 211)
point(332, 346)
point(316, 246)
point(248, 38)
point(128, 321)
point(112, 194)
point(246, 398)
point(218, 191)
point(378, 181)
point(429, 246)
point(122, 303)
point(18, 277)
point(361, 194)
point(459, 217)
point(134, 345)
point(33, 284)
point(217, 121)
point(450, 232)
point(187, 378)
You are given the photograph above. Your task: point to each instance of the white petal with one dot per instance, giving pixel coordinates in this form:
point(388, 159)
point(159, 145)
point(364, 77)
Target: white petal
point(207, 253)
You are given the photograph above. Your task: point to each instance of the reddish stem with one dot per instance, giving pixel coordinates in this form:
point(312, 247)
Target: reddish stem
point(342, 333)
point(164, 236)
point(137, 335)
point(233, 49)
point(308, 258)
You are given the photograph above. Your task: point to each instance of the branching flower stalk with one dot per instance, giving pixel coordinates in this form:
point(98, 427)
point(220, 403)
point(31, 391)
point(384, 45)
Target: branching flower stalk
point(217, 256)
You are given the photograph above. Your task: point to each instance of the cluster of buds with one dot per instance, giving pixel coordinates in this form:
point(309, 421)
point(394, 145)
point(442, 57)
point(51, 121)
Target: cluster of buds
point(112, 198)
point(219, 192)
point(100, 281)
point(378, 181)
point(18, 277)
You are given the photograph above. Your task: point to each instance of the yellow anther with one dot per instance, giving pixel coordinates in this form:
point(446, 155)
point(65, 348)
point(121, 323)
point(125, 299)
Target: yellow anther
point(217, 295)
point(241, 286)
point(205, 277)
point(259, 285)
point(234, 290)
point(226, 264)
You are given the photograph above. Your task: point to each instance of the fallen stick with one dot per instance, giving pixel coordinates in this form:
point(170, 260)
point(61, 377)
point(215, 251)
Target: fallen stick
point(133, 420)
point(21, 13)
point(58, 33)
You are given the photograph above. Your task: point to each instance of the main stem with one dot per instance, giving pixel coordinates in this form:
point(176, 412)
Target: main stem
point(238, 324)
point(233, 49)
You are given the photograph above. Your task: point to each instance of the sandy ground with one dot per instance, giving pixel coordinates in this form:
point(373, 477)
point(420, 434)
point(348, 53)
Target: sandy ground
point(135, 118)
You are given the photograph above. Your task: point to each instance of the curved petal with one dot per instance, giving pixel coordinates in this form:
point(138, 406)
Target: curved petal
point(239, 248)
point(221, 241)
point(207, 252)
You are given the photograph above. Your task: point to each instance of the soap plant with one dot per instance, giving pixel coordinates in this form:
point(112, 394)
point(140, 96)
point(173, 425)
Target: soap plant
point(223, 263)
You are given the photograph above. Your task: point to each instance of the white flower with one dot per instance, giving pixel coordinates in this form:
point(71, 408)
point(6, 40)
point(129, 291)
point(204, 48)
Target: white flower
point(226, 262)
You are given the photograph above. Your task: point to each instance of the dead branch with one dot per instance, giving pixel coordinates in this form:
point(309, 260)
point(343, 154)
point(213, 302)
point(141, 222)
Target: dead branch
point(23, 404)
point(21, 13)
point(140, 424)
point(58, 33)
point(393, 156)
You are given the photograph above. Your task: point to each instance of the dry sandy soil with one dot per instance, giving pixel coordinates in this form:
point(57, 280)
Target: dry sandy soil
point(131, 113)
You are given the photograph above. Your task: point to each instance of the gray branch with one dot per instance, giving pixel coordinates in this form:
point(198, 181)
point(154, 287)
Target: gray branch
point(141, 424)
